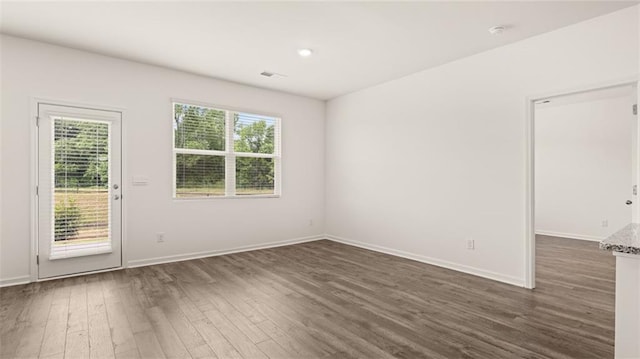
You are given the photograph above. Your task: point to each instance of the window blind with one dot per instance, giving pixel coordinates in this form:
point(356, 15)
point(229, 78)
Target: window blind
point(222, 153)
point(199, 128)
point(200, 175)
point(255, 135)
point(81, 206)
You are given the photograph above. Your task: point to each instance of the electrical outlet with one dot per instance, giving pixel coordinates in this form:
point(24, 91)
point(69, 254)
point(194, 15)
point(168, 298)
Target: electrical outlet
point(160, 237)
point(471, 243)
point(605, 223)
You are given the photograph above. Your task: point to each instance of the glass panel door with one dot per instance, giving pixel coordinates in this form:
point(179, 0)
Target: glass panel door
point(79, 190)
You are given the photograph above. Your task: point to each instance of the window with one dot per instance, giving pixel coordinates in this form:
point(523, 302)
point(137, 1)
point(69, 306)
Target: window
point(80, 203)
point(222, 153)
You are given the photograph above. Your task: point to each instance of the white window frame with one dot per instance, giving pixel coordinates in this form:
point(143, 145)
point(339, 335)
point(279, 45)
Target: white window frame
point(230, 154)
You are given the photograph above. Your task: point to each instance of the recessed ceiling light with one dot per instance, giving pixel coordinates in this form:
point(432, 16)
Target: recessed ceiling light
point(496, 30)
point(305, 52)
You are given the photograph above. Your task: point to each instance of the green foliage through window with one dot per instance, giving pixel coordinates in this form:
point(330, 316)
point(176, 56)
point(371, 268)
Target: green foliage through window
point(198, 128)
point(67, 220)
point(199, 175)
point(81, 179)
point(253, 134)
point(254, 175)
point(202, 163)
point(81, 154)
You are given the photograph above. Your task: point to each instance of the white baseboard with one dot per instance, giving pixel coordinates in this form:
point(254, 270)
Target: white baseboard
point(196, 255)
point(570, 235)
point(433, 261)
point(187, 256)
point(180, 257)
point(15, 281)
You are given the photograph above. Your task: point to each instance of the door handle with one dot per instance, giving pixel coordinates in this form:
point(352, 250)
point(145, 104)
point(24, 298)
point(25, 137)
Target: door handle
point(628, 202)
point(116, 197)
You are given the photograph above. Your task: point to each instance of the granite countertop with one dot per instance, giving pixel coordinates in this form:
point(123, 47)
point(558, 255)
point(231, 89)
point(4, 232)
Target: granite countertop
point(626, 240)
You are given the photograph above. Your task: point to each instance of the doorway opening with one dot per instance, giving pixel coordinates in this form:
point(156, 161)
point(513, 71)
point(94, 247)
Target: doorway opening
point(583, 172)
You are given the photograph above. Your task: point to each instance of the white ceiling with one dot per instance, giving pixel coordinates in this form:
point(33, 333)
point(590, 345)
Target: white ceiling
point(355, 44)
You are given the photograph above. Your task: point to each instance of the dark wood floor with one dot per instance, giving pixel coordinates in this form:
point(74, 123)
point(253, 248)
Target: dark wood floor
point(315, 300)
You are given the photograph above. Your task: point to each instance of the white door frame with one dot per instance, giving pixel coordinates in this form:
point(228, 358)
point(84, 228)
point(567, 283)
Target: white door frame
point(34, 102)
point(530, 245)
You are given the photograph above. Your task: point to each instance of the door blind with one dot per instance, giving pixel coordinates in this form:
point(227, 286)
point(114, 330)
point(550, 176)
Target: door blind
point(81, 201)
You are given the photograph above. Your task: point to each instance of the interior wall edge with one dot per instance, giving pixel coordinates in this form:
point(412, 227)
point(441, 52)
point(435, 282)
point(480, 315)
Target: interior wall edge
point(582, 237)
point(516, 281)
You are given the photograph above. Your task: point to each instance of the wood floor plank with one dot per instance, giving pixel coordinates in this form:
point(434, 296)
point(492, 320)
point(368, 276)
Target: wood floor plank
point(78, 315)
point(14, 323)
point(53, 343)
point(77, 344)
point(273, 350)
point(318, 300)
point(262, 298)
point(121, 332)
point(291, 341)
point(169, 341)
point(322, 320)
point(131, 354)
point(30, 342)
point(53, 356)
point(135, 313)
point(244, 324)
point(100, 340)
point(189, 335)
point(292, 333)
point(220, 345)
point(241, 342)
point(148, 345)
point(56, 330)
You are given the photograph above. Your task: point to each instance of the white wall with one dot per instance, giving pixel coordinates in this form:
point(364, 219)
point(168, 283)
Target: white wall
point(35, 69)
point(418, 164)
point(627, 323)
point(583, 165)
point(636, 144)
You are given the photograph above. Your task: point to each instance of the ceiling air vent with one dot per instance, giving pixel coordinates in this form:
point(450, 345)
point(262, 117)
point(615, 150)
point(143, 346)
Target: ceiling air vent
point(272, 74)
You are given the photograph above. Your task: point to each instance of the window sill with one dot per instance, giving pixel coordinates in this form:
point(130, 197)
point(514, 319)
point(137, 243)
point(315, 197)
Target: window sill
point(80, 250)
point(190, 199)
